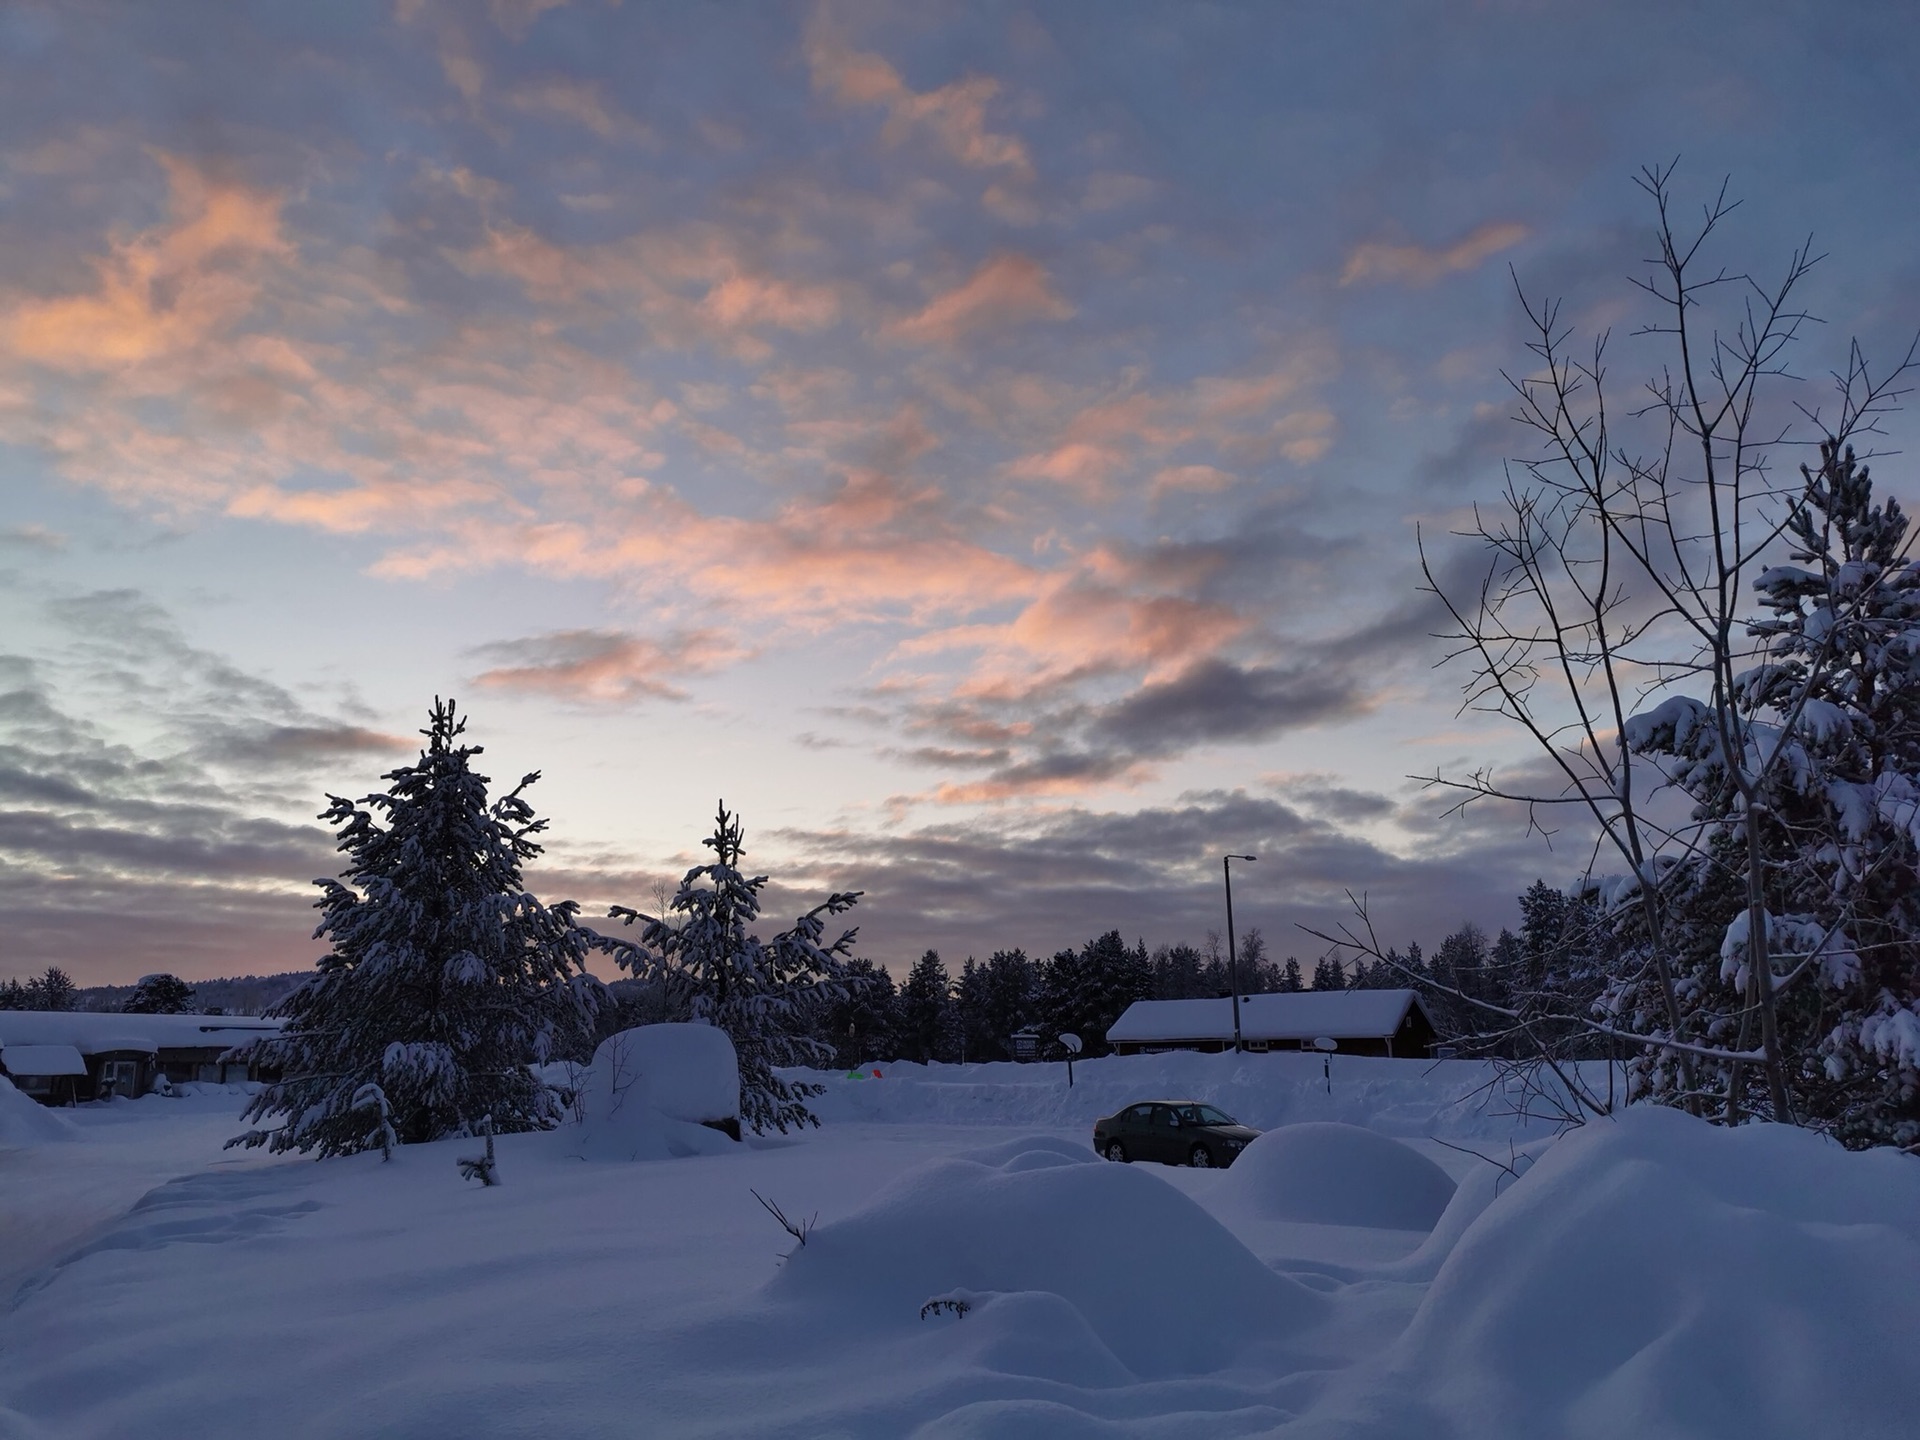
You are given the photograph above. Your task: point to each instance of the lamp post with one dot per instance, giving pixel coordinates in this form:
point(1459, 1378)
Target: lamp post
point(1233, 953)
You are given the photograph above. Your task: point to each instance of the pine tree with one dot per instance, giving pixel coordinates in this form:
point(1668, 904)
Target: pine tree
point(769, 996)
point(446, 981)
point(1085, 991)
point(926, 1010)
point(1328, 974)
point(1012, 984)
point(1291, 982)
point(1177, 973)
point(972, 1013)
point(864, 1025)
point(52, 989)
point(159, 995)
point(1834, 704)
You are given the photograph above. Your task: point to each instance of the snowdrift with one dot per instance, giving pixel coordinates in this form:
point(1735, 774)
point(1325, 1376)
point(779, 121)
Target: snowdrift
point(25, 1121)
point(1332, 1174)
point(1118, 1273)
point(651, 1091)
point(1655, 1275)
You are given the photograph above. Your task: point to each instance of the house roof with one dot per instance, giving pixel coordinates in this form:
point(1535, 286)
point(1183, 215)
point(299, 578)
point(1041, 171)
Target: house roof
point(92, 1033)
point(42, 1060)
point(1303, 1015)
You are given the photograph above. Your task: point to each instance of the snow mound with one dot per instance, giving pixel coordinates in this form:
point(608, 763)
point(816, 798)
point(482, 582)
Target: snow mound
point(25, 1121)
point(1658, 1275)
point(651, 1090)
point(1149, 1283)
point(1332, 1174)
point(1481, 1186)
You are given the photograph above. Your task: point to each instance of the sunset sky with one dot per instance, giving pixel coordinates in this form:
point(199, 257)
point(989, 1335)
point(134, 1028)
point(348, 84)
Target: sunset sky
point(981, 442)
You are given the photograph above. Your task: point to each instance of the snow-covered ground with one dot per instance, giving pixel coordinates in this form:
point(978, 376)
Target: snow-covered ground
point(1647, 1277)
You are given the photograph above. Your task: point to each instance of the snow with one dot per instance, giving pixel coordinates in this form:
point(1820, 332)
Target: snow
point(650, 1091)
point(42, 1060)
point(25, 1121)
point(1671, 725)
point(1332, 1174)
point(1658, 1276)
point(1893, 1035)
point(1146, 1282)
point(1304, 1015)
point(1650, 1275)
point(94, 1033)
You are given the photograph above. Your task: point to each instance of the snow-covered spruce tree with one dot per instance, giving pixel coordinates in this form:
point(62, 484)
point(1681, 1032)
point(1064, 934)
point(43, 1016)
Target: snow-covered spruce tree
point(865, 1024)
point(159, 995)
point(927, 1028)
point(1084, 991)
point(446, 980)
point(769, 996)
point(1830, 720)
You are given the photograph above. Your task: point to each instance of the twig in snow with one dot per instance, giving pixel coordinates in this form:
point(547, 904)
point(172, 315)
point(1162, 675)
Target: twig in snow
point(799, 1231)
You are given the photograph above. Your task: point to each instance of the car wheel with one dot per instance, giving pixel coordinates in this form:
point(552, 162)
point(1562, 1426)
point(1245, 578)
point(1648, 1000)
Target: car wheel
point(1200, 1158)
point(1116, 1152)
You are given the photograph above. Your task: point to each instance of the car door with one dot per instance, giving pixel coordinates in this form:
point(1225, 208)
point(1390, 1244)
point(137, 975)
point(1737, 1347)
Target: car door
point(1165, 1145)
point(1136, 1131)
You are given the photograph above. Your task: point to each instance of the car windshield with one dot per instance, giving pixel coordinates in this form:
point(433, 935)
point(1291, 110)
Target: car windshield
point(1203, 1115)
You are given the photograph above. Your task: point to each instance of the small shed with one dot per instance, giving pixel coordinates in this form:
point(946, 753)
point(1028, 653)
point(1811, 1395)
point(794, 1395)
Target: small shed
point(1363, 1022)
point(45, 1072)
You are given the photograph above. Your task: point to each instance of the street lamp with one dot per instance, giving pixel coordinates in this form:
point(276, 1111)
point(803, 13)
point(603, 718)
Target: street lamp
point(1233, 954)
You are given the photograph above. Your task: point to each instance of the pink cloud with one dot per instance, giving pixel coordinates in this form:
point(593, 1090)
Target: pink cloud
point(1200, 479)
point(1379, 262)
point(954, 115)
point(693, 283)
point(583, 103)
point(165, 290)
point(1009, 289)
point(605, 666)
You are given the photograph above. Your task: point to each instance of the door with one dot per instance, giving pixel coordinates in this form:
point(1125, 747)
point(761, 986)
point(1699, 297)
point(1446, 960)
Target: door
point(120, 1077)
point(1136, 1131)
point(1167, 1144)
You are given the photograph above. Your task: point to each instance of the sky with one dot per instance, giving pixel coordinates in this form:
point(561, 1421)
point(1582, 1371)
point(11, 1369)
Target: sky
point(983, 444)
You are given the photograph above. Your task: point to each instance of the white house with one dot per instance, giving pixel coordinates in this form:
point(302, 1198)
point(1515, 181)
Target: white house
point(1362, 1022)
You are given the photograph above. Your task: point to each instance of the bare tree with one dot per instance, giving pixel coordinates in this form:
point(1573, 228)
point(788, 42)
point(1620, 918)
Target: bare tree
point(1615, 609)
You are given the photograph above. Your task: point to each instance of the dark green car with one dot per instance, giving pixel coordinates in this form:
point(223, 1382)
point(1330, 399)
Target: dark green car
point(1174, 1132)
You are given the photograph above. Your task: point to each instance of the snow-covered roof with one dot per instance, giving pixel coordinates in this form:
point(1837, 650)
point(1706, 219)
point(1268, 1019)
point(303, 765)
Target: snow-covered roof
point(92, 1033)
point(1302, 1015)
point(26, 1060)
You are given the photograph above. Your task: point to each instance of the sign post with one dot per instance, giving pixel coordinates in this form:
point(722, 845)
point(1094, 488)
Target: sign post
point(1071, 1044)
point(1326, 1045)
point(1233, 956)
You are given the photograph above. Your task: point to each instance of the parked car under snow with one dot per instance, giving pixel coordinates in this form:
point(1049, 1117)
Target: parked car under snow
point(1174, 1132)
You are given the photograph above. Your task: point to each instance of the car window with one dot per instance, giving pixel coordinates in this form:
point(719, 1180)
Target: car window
point(1210, 1116)
point(1140, 1112)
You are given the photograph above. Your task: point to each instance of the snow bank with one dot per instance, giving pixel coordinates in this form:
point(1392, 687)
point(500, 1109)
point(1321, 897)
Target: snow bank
point(1657, 1275)
point(25, 1121)
point(1332, 1174)
point(650, 1091)
point(1115, 1270)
